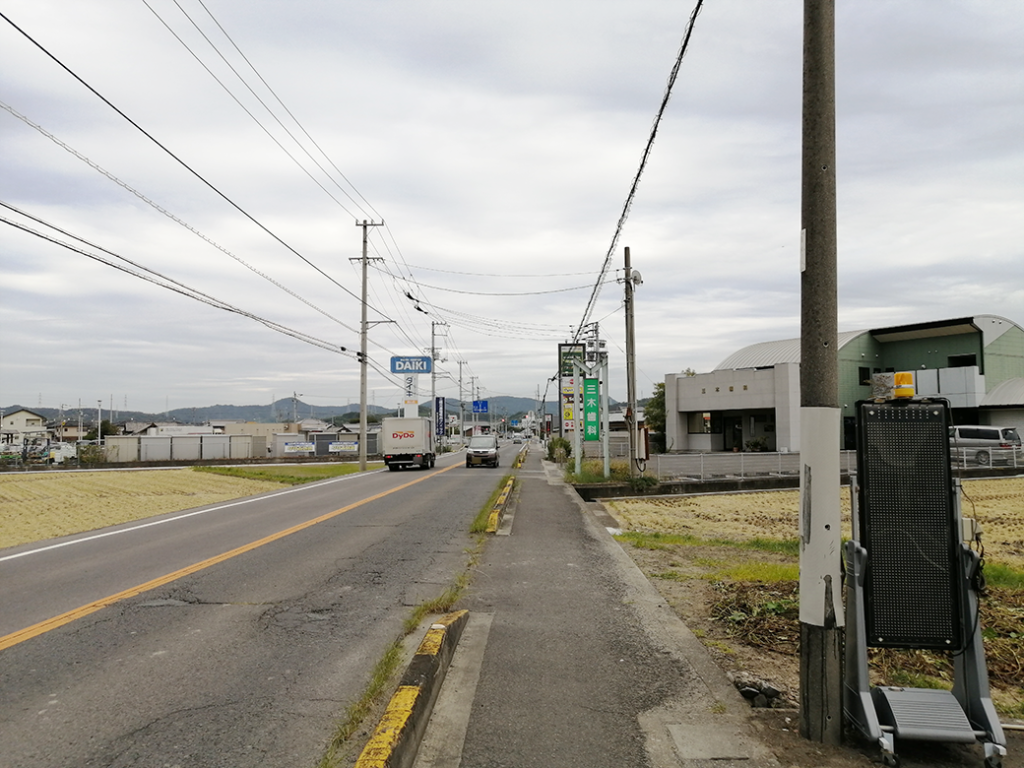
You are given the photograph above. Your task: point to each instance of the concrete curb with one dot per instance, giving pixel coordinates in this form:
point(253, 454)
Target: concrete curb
point(397, 737)
point(494, 520)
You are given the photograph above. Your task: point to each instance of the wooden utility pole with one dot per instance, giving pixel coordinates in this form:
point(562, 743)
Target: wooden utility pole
point(821, 609)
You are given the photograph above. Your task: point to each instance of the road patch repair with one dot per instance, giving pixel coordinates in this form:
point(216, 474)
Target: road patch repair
point(494, 520)
point(397, 736)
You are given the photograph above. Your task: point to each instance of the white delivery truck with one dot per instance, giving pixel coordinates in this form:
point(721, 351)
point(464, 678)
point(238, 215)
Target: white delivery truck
point(407, 443)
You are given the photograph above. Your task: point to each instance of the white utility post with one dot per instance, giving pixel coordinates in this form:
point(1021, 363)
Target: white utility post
point(577, 416)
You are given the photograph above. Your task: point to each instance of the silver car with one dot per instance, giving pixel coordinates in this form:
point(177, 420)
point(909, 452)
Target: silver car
point(982, 443)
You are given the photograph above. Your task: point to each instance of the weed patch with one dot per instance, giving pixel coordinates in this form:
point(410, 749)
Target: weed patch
point(288, 474)
point(479, 524)
point(729, 566)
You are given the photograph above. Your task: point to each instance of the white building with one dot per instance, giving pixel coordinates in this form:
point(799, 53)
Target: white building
point(18, 426)
point(752, 399)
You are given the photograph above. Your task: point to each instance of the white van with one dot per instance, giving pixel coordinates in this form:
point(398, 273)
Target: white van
point(981, 443)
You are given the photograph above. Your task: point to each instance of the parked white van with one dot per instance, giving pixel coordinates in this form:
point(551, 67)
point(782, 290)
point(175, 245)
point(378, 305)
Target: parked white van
point(983, 443)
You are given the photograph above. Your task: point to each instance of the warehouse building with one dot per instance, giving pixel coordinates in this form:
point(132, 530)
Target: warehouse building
point(751, 401)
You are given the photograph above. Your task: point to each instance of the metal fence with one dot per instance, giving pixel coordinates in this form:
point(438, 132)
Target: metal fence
point(984, 457)
point(701, 467)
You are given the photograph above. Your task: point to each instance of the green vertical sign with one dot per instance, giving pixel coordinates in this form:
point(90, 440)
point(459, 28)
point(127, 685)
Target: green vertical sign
point(591, 409)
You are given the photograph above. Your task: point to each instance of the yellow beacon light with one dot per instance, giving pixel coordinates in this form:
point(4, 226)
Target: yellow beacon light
point(903, 384)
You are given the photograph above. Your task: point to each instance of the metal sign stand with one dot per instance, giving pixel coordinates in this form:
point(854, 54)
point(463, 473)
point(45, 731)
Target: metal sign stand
point(912, 583)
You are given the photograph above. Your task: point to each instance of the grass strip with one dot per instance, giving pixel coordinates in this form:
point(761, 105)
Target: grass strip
point(289, 474)
point(655, 541)
point(479, 524)
point(382, 678)
point(999, 575)
point(380, 682)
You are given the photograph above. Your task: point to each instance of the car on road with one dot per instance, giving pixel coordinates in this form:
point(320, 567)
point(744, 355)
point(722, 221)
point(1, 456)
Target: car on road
point(517, 440)
point(982, 444)
point(482, 450)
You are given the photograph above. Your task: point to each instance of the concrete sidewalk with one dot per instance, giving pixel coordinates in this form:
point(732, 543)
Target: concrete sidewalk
point(571, 658)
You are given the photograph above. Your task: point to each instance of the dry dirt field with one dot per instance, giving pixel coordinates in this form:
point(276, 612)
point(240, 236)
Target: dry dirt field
point(43, 505)
point(743, 604)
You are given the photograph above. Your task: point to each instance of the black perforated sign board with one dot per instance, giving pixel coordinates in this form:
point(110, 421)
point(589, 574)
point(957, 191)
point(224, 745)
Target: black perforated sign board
point(912, 593)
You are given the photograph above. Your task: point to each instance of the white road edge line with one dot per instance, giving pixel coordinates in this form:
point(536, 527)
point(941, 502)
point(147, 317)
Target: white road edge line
point(248, 500)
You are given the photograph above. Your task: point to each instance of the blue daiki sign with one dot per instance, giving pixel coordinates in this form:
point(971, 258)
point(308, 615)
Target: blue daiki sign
point(410, 364)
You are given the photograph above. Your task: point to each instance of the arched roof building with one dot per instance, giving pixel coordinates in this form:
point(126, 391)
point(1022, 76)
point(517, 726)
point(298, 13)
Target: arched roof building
point(977, 363)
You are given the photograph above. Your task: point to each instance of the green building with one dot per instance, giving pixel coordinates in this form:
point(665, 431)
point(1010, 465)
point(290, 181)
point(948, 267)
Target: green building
point(976, 363)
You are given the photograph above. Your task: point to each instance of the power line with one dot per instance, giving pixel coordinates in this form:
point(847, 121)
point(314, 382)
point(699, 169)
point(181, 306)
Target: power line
point(643, 164)
point(181, 162)
point(493, 274)
point(163, 281)
point(489, 293)
point(292, 116)
point(258, 98)
point(95, 166)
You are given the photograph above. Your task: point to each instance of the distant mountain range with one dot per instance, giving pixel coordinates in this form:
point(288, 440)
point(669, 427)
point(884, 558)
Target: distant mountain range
point(282, 411)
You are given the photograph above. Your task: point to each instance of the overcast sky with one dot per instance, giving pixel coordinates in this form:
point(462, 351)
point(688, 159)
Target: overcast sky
point(497, 142)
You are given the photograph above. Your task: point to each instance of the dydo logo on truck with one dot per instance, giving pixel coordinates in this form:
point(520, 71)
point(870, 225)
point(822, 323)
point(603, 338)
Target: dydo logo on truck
point(404, 435)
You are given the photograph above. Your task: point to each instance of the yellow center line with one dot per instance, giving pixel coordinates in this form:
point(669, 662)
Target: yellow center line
point(66, 618)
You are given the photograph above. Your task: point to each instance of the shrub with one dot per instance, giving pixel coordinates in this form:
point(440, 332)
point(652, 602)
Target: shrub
point(559, 449)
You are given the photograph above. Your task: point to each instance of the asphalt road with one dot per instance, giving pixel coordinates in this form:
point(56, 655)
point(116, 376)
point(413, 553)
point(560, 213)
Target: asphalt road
point(249, 660)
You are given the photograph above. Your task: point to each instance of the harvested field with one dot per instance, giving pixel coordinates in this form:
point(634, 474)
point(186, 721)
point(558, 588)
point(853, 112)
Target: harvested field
point(45, 505)
point(728, 566)
point(997, 504)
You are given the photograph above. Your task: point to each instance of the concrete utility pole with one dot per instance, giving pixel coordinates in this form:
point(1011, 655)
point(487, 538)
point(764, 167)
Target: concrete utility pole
point(462, 405)
point(433, 375)
point(362, 351)
point(630, 363)
point(821, 609)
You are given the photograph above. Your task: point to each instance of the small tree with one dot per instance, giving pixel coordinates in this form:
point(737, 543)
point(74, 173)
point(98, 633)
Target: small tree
point(106, 428)
point(654, 417)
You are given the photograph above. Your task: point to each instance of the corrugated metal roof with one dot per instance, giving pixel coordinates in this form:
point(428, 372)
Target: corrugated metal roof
point(1009, 392)
point(769, 353)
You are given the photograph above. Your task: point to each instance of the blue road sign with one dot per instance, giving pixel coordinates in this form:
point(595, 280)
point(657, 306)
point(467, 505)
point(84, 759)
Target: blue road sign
point(410, 364)
point(479, 406)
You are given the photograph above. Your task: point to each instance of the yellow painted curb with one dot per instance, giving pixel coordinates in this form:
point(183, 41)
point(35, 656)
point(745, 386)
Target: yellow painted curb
point(396, 738)
point(378, 751)
point(494, 520)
